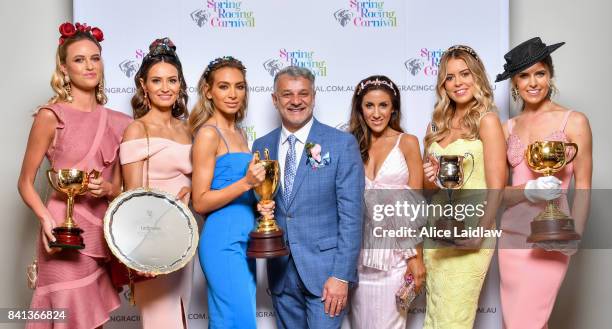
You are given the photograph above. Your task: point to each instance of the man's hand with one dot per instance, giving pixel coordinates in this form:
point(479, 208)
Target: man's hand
point(335, 294)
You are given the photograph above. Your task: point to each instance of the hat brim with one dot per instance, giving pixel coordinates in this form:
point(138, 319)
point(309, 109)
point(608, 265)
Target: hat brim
point(509, 73)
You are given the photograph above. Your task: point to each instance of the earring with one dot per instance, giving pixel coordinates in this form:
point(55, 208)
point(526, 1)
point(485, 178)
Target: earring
point(515, 94)
point(68, 89)
point(552, 89)
point(146, 100)
point(100, 92)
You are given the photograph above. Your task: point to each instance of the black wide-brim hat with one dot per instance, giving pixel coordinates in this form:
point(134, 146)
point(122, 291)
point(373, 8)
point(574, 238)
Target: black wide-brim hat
point(525, 55)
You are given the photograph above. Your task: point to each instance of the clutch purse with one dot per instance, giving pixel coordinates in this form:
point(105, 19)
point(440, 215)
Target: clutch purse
point(406, 294)
point(32, 274)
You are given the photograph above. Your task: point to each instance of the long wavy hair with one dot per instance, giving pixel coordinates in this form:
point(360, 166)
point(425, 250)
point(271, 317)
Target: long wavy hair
point(159, 53)
point(204, 108)
point(445, 107)
point(59, 83)
point(357, 125)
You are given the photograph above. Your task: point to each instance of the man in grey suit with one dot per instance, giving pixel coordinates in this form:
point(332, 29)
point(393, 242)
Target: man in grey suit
point(319, 207)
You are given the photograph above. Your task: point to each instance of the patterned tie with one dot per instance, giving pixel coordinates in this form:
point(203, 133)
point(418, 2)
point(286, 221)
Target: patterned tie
point(290, 168)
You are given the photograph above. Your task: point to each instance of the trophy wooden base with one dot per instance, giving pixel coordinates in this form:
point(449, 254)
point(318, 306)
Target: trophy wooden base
point(553, 230)
point(552, 224)
point(450, 225)
point(267, 245)
point(67, 238)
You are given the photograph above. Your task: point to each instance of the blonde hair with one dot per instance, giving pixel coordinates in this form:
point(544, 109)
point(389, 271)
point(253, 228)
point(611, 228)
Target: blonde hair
point(204, 108)
point(59, 83)
point(445, 107)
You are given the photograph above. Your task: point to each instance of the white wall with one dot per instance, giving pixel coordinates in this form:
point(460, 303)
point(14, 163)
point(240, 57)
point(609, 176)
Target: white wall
point(29, 39)
point(583, 67)
point(583, 70)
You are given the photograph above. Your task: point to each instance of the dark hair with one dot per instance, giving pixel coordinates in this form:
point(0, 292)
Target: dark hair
point(357, 125)
point(548, 62)
point(160, 51)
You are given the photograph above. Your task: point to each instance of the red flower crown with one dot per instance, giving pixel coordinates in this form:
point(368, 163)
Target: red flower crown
point(68, 30)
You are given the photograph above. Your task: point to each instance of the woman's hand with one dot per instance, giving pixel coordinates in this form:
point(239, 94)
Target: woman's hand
point(543, 188)
point(183, 193)
point(47, 225)
point(430, 168)
point(146, 275)
point(98, 187)
point(469, 244)
point(416, 267)
point(266, 208)
point(255, 174)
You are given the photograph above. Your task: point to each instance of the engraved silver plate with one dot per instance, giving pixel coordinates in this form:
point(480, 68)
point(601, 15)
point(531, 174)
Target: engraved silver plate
point(150, 231)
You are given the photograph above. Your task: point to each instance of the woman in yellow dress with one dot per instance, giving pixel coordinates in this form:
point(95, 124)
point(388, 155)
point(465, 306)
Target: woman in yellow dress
point(464, 122)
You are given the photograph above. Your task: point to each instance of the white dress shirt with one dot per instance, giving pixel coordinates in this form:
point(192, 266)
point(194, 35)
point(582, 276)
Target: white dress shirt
point(283, 146)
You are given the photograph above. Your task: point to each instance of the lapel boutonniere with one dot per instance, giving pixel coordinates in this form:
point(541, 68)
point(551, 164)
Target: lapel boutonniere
point(314, 158)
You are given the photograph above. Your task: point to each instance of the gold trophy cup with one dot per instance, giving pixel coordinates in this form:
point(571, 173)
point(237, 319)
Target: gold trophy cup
point(450, 177)
point(552, 224)
point(267, 241)
point(71, 182)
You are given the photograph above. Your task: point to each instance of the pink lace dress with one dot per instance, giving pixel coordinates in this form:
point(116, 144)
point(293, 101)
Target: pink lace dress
point(381, 271)
point(530, 277)
point(77, 280)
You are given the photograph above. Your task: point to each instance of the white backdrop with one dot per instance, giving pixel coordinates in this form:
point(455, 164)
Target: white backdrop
point(342, 41)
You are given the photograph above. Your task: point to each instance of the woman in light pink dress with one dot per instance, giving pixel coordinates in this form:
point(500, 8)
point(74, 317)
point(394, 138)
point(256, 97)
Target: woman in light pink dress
point(75, 130)
point(532, 275)
point(392, 161)
point(160, 111)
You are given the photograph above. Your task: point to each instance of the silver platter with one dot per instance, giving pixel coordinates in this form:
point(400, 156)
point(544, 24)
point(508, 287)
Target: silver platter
point(150, 231)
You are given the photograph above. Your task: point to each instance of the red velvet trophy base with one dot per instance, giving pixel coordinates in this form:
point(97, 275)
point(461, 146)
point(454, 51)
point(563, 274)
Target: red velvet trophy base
point(451, 225)
point(67, 238)
point(553, 230)
point(267, 245)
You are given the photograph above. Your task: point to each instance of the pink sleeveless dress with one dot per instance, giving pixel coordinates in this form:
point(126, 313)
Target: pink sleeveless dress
point(160, 299)
point(529, 277)
point(77, 280)
point(381, 271)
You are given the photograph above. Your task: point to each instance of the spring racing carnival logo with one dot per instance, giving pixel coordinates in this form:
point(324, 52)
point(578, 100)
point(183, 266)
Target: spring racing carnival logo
point(130, 66)
point(250, 133)
point(296, 57)
point(426, 62)
point(366, 14)
point(223, 14)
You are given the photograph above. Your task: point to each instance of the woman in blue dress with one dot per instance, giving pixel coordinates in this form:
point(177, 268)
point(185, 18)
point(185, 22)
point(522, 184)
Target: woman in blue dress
point(224, 174)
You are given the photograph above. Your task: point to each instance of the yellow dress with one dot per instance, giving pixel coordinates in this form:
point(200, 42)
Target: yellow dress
point(455, 277)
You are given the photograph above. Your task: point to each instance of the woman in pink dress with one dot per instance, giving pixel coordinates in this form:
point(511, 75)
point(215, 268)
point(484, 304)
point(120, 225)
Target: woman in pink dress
point(160, 110)
point(392, 161)
point(532, 276)
point(75, 130)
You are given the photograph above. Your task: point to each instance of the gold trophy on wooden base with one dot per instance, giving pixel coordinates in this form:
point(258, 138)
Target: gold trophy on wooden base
point(552, 224)
point(71, 182)
point(267, 240)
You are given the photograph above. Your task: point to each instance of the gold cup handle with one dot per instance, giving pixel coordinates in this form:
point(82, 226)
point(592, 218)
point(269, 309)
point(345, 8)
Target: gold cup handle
point(50, 174)
point(575, 147)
